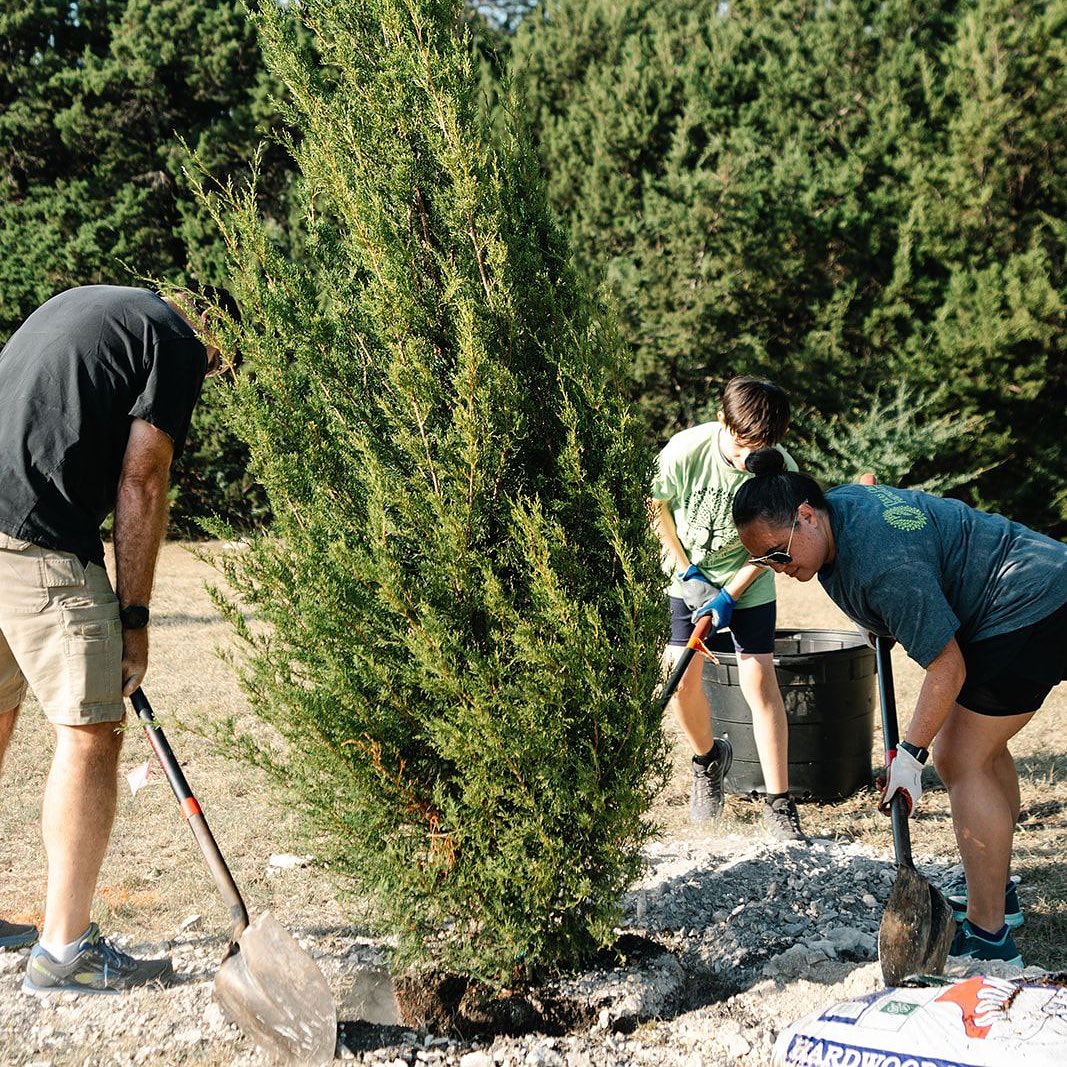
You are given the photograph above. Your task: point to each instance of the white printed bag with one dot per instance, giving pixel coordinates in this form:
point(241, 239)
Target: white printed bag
point(973, 1022)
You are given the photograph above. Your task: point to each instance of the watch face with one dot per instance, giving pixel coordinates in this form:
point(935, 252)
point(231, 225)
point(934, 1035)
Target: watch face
point(134, 617)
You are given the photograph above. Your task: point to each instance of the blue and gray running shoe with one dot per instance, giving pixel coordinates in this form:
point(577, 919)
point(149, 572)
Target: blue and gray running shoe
point(970, 945)
point(16, 935)
point(99, 967)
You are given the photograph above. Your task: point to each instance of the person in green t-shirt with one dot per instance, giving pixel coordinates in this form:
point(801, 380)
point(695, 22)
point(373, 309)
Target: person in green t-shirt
point(698, 473)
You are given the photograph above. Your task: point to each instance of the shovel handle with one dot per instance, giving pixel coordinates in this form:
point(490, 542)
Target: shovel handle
point(190, 809)
point(898, 807)
point(695, 641)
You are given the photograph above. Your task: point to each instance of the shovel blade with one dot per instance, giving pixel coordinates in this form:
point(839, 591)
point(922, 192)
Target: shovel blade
point(942, 931)
point(917, 928)
point(273, 990)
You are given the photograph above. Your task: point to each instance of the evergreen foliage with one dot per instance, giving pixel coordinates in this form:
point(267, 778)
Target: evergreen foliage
point(841, 196)
point(97, 101)
point(98, 97)
point(505, 15)
point(892, 436)
point(460, 583)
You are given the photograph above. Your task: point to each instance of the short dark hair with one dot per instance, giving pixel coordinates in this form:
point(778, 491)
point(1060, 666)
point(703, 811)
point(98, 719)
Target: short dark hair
point(755, 410)
point(774, 494)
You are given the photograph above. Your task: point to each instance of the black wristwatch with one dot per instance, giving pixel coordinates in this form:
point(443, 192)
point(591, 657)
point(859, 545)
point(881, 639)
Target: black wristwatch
point(134, 617)
point(921, 754)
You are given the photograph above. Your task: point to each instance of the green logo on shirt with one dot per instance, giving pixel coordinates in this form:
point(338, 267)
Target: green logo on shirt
point(899, 516)
point(904, 517)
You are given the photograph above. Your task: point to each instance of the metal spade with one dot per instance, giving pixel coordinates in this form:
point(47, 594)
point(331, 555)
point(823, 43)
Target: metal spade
point(267, 983)
point(917, 924)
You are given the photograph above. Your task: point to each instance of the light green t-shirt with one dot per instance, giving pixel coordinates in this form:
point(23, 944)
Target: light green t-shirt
point(699, 482)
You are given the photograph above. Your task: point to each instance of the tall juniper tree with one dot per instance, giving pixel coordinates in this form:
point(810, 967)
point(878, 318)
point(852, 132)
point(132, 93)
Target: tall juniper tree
point(459, 587)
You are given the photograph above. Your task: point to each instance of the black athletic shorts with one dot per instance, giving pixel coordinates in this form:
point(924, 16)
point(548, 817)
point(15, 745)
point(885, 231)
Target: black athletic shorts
point(751, 629)
point(1011, 674)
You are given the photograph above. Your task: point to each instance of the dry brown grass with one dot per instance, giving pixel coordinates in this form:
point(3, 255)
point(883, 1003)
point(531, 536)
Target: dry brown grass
point(153, 876)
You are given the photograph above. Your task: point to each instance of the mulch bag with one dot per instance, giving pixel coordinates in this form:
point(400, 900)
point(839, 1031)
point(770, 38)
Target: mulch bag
point(981, 1021)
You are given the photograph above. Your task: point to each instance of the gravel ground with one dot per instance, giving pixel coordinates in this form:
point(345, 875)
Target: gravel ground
point(751, 937)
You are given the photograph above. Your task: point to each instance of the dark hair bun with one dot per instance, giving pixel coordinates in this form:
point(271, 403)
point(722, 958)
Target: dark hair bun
point(765, 461)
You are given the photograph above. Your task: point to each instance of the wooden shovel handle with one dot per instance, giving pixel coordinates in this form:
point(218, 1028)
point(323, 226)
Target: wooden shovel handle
point(216, 865)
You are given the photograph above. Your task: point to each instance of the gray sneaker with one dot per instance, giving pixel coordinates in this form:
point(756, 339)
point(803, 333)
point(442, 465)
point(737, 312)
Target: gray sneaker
point(98, 968)
point(707, 800)
point(16, 935)
point(782, 820)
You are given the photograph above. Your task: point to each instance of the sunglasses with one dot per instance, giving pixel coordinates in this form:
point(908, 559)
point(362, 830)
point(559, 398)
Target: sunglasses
point(780, 557)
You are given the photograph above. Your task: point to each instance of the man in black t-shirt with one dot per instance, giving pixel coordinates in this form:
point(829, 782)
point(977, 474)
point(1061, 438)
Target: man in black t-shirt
point(97, 388)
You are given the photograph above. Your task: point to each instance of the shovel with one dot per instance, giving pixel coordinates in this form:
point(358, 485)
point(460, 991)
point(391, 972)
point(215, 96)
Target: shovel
point(917, 925)
point(696, 641)
point(267, 983)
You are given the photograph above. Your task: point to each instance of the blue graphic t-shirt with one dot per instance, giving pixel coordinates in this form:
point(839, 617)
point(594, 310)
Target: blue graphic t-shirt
point(924, 569)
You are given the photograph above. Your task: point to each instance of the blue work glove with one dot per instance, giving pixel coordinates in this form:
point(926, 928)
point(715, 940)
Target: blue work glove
point(904, 774)
point(696, 589)
point(720, 608)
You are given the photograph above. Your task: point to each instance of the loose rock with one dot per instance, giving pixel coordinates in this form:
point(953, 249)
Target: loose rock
point(739, 939)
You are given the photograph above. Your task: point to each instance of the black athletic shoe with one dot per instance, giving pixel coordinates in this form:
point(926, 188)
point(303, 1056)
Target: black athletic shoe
point(707, 800)
point(782, 820)
point(16, 935)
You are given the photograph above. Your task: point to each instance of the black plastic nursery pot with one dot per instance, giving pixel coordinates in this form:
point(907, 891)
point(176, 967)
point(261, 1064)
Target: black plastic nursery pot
point(828, 682)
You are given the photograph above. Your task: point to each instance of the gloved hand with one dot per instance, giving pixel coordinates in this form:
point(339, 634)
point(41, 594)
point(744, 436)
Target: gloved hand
point(696, 589)
point(904, 776)
point(720, 608)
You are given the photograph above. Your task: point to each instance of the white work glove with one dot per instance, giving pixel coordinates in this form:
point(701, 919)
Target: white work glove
point(696, 589)
point(904, 776)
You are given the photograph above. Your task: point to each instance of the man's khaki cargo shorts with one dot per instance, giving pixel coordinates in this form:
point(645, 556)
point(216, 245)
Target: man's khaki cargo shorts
point(60, 633)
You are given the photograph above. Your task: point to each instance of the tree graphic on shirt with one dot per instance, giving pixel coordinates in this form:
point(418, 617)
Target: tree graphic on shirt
point(707, 528)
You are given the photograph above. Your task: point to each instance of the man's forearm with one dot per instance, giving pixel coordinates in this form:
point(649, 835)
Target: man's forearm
point(140, 522)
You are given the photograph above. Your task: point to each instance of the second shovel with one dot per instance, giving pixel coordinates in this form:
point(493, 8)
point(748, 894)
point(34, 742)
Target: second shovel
point(917, 924)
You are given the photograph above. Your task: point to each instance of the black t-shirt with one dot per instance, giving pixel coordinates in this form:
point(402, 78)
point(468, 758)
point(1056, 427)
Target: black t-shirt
point(72, 378)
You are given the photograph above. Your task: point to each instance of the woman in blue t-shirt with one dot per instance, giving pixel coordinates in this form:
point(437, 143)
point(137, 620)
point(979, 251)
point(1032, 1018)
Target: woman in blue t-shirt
point(978, 601)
